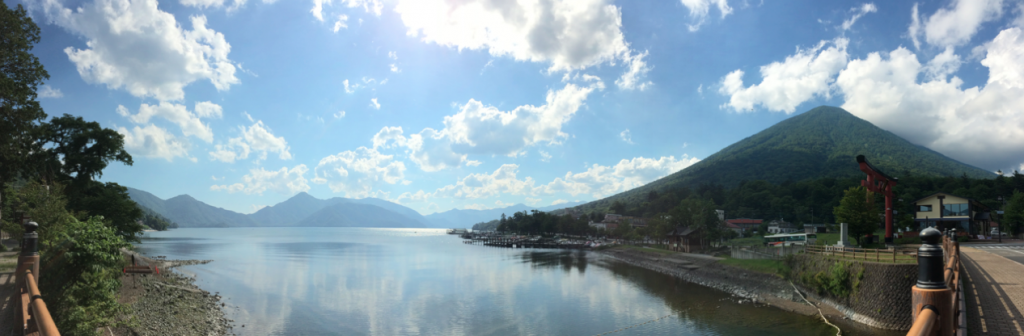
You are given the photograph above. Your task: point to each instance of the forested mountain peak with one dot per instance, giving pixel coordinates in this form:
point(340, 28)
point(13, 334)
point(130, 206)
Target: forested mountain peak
point(821, 143)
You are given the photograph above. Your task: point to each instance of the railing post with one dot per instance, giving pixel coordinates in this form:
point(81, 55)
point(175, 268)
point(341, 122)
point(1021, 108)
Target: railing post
point(27, 260)
point(931, 286)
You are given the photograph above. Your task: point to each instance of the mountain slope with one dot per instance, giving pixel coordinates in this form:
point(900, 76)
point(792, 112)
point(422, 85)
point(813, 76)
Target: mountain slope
point(396, 208)
point(291, 211)
point(189, 212)
point(350, 214)
point(822, 142)
point(465, 218)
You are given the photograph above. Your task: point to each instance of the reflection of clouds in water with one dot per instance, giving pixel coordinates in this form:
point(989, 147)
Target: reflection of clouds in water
point(414, 281)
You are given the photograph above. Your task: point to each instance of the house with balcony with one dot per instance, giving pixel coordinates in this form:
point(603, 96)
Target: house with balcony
point(946, 211)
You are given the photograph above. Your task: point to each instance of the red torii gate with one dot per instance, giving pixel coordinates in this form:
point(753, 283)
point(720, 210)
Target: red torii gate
point(878, 182)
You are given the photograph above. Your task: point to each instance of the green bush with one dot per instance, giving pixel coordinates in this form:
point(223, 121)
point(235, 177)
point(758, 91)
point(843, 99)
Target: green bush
point(836, 280)
point(82, 277)
point(908, 240)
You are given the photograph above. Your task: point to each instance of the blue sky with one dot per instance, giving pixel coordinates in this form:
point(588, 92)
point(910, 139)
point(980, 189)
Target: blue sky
point(481, 104)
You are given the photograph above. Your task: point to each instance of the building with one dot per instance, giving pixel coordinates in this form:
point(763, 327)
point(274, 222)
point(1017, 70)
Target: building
point(781, 226)
point(598, 225)
point(745, 223)
point(815, 228)
point(946, 211)
point(733, 227)
point(685, 239)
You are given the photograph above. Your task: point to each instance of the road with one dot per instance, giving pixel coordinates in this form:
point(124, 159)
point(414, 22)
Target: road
point(1013, 251)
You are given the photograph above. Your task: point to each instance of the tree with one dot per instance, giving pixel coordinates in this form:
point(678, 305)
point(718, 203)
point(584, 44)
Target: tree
point(46, 205)
point(1013, 215)
point(79, 150)
point(618, 208)
point(20, 75)
point(860, 213)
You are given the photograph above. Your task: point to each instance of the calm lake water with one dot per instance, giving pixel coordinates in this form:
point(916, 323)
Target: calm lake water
point(358, 281)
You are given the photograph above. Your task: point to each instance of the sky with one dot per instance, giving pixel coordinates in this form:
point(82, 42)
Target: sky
point(478, 104)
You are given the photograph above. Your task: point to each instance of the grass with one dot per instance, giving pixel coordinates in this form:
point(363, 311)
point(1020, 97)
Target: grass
point(766, 266)
point(8, 264)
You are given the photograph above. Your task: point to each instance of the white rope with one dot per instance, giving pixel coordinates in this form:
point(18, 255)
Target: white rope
point(838, 332)
point(635, 325)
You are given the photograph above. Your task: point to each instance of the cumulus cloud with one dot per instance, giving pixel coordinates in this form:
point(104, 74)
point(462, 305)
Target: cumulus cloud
point(153, 142)
point(339, 115)
point(600, 181)
point(357, 173)
point(559, 201)
point(341, 23)
point(374, 104)
point(283, 181)
point(179, 115)
point(982, 126)
point(254, 139)
point(483, 185)
point(568, 35)
point(132, 44)
point(45, 91)
point(784, 85)
point(699, 10)
point(956, 24)
point(858, 12)
point(485, 130)
point(209, 110)
point(473, 163)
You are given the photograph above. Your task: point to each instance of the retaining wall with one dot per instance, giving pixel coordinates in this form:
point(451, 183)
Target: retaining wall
point(764, 252)
point(879, 292)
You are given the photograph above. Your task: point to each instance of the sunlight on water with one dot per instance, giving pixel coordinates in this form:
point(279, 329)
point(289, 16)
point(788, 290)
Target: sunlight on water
point(316, 281)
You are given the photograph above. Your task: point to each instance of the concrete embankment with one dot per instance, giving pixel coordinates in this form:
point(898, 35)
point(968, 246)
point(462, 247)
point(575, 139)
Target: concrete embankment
point(169, 303)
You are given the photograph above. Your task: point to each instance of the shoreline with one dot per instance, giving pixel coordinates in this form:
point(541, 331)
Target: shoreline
point(169, 303)
point(748, 286)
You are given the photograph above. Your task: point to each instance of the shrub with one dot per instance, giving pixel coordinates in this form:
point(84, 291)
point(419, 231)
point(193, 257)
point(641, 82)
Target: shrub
point(82, 277)
point(962, 239)
point(835, 280)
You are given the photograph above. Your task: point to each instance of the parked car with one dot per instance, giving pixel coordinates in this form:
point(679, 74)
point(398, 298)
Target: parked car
point(996, 232)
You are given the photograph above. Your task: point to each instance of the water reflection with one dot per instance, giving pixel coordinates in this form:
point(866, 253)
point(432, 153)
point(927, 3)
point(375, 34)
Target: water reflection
point(332, 281)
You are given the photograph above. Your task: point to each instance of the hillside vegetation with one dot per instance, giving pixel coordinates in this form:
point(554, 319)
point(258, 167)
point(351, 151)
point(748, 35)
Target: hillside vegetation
point(819, 144)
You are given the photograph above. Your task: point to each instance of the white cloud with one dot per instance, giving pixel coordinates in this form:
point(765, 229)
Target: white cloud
point(601, 181)
point(132, 44)
point(393, 55)
point(982, 126)
point(943, 65)
point(256, 138)
point(176, 113)
point(256, 208)
point(215, 178)
point(954, 25)
point(858, 13)
point(559, 201)
point(350, 88)
point(544, 156)
point(475, 206)
point(569, 35)
point(284, 181)
point(626, 136)
point(374, 104)
point(632, 78)
point(808, 73)
point(502, 181)
point(699, 10)
point(339, 115)
point(473, 163)
point(153, 142)
point(341, 23)
point(485, 130)
point(370, 6)
point(209, 110)
point(915, 27)
point(46, 91)
point(357, 173)
point(531, 201)
point(394, 68)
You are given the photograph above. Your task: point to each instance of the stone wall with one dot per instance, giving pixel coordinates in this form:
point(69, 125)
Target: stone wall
point(764, 252)
point(879, 293)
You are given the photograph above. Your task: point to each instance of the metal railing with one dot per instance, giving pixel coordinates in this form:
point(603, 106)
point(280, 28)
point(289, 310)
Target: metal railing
point(34, 317)
point(938, 297)
point(891, 255)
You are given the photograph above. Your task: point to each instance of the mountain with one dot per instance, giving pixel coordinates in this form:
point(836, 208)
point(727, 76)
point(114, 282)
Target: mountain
point(351, 214)
point(190, 212)
point(464, 218)
point(300, 210)
point(822, 142)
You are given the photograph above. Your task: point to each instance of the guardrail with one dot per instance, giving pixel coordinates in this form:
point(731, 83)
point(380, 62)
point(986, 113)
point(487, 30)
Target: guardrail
point(938, 297)
point(893, 255)
point(34, 317)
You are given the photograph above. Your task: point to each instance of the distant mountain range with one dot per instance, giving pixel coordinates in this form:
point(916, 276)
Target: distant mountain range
point(822, 142)
point(304, 210)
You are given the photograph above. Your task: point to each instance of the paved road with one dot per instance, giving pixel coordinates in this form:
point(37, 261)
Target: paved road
point(995, 295)
point(1013, 251)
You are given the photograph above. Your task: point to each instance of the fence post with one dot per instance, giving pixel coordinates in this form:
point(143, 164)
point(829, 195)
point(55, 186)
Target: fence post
point(28, 259)
point(931, 283)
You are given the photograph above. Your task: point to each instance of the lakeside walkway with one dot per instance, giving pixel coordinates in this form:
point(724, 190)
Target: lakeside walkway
point(995, 293)
point(7, 323)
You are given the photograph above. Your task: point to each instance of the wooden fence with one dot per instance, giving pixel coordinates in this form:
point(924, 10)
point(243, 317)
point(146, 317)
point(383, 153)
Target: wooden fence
point(890, 255)
point(941, 311)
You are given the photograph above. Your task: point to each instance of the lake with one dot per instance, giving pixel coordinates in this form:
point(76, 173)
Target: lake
point(361, 281)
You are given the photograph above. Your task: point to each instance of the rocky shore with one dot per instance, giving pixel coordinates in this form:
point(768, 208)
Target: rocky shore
point(169, 303)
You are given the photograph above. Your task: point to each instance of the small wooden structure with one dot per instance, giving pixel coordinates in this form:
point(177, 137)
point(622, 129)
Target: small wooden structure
point(686, 239)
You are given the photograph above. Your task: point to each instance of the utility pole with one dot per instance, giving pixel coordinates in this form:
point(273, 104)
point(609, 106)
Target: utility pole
point(999, 226)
